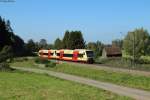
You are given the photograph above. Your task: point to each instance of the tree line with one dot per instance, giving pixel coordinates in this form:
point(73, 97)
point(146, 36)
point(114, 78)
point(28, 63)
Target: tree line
point(135, 43)
point(71, 40)
point(10, 43)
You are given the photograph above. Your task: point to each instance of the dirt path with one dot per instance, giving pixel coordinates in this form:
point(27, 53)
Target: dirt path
point(101, 67)
point(130, 92)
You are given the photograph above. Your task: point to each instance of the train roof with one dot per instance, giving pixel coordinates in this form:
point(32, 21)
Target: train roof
point(83, 49)
point(66, 49)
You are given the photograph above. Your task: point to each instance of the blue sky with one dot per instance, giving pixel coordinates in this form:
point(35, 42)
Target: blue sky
point(102, 20)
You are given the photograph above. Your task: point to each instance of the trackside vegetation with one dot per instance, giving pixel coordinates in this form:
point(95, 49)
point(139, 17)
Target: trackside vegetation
point(29, 86)
point(135, 81)
point(124, 79)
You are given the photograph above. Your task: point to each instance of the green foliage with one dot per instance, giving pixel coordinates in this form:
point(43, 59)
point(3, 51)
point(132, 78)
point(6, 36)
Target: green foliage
point(18, 46)
point(96, 47)
point(5, 33)
point(71, 40)
point(44, 61)
point(118, 43)
point(50, 64)
point(58, 44)
point(8, 38)
point(41, 60)
point(6, 53)
point(115, 62)
point(144, 60)
point(65, 40)
point(50, 46)
point(140, 40)
point(76, 40)
point(135, 81)
point(142, 63)
point(120, 78)
point(20, 59)
point(31, 46)
point(5, 67)
point(43, 44)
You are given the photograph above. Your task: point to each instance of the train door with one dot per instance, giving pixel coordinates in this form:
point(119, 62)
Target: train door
point(75, 55)
point(49, 54)
point(41, 54)
point(61, 54)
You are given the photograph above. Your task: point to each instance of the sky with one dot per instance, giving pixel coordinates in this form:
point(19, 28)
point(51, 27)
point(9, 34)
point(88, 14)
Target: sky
point(103, 20)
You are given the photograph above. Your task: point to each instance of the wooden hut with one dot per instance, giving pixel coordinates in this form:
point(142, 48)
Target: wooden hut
point(111, 51)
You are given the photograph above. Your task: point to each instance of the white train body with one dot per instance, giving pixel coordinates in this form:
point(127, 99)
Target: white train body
point(77, 55)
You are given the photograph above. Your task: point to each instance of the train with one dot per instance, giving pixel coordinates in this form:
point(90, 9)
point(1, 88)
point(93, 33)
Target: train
point(77, 55)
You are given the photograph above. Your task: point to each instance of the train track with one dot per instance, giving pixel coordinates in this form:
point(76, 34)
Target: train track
point(108, 68)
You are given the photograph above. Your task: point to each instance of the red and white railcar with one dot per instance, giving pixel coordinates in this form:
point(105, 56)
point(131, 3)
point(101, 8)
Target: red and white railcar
point(77, 55)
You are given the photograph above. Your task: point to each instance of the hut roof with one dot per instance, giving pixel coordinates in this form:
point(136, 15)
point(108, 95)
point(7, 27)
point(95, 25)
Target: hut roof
point(113, 50)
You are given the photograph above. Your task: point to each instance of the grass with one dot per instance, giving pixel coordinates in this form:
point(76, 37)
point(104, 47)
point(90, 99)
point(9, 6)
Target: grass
point(30, 86)
point(28, 63)
point(135, 81)
point(123, 63)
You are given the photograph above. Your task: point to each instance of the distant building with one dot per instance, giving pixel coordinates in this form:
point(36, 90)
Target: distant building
point(111, 51)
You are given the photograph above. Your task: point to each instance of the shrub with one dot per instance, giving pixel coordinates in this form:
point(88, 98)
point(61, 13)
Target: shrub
point(41, 60)
point(115, 62)
point(50, 64)
point(144, 60)
point(20, 59)
point(5, 67)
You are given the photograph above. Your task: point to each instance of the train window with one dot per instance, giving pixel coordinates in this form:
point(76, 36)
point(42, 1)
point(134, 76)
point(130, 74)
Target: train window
point(41, 53)
point(68, 55)
point(80, 55)
point(45, 53)
point(58, 54)
point(90, 53)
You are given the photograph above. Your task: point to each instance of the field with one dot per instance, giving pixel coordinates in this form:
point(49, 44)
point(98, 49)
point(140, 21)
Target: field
point(29, 86)
point(143, 64)
point(135, 81)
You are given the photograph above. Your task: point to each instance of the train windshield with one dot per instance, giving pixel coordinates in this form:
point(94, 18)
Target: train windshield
point(90, 53)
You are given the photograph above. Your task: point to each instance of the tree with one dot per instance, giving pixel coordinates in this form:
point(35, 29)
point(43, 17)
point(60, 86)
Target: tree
point(18, 46)
point(137, 43)
point(8, 38)
point(58, 44)
point(5, 35)
point(91, 45)
point(65, 41)
point(6, 53)
point(118, 43)
point(97, 47)
point(50, 46)
point(76, 40)
point(43, 44)
point(31, 47)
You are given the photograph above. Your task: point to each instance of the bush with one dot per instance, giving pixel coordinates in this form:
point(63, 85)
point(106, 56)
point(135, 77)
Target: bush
point(101, 60)
point(5, 67)
point(20, 59)
point(50, 64)
point(115, 62)
point(41, 60)
point(144, 60)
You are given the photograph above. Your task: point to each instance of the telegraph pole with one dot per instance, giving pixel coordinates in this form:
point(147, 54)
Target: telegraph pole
point(133, 50)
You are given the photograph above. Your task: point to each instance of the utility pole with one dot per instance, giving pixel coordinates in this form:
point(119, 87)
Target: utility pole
point(133, 50)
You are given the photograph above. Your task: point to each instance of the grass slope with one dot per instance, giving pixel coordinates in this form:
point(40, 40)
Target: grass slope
point(29, 86)
point(135, 81)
